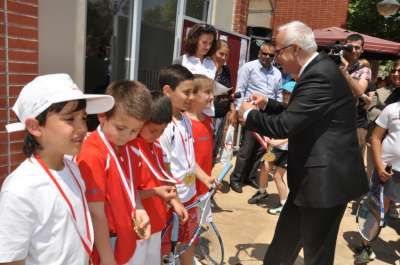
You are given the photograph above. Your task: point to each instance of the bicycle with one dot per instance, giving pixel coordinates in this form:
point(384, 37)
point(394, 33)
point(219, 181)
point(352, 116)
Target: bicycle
point(210, 248)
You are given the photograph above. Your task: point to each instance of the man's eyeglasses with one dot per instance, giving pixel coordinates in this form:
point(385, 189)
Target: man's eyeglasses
point(278, 51)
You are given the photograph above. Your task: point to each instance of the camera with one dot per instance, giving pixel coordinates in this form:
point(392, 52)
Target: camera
point(336, 50)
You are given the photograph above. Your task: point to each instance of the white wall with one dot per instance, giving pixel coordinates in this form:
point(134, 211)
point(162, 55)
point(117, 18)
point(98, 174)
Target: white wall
point(62, 30)
point(222, 14)
point(260, 13)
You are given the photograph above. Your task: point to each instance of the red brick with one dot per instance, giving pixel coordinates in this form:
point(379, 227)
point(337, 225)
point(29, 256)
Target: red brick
point(17, 158)
point(21, 8)
point(3, 104)
point(22, 44)
point(16, 79)
point(3, 173)
point(25, 33)
point(23, 68)
point(25, 56)
point(31, 2)
point(22, 20)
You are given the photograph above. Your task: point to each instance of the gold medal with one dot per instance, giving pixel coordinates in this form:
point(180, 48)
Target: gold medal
point(139, 231)
point(189, 179)
point(269, 157)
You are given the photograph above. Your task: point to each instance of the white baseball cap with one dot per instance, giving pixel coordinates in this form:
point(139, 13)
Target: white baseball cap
point(45, 90)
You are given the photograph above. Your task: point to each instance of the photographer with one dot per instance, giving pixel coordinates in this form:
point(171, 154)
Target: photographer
point(358, 76)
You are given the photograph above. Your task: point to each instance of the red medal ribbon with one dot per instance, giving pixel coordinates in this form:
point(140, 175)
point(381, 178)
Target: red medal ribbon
point(187, 154)
point(86, 241)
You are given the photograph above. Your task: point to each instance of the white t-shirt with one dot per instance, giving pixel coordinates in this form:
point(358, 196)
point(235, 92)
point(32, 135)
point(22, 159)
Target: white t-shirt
point(180, 155)
point(196, 66)
point(36, 224)
point(389, 119)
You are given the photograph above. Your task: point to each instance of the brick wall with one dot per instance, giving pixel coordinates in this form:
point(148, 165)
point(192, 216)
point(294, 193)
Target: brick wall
point(315, 13)
point(240, 13)
point(18, 65)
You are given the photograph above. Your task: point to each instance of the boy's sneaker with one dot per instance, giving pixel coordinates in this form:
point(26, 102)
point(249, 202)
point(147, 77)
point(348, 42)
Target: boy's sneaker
point(257, 197)
point(275, 211)
point(364, 254)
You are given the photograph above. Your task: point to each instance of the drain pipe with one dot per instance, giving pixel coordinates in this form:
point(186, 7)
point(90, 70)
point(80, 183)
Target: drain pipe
point(7, 77)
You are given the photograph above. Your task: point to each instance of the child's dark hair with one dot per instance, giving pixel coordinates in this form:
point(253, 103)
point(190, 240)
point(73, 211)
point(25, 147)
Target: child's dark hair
point(31, 145)
point(193, 38)
point(161, 108)
point(173, 75)
point(132, 96)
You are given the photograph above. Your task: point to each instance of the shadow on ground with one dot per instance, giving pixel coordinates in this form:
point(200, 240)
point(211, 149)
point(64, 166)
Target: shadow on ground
point(251, 253)
point(386, 251)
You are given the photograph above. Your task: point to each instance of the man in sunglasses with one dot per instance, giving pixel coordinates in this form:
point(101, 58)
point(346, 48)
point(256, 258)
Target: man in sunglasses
point(358, 77)
point(257, 76)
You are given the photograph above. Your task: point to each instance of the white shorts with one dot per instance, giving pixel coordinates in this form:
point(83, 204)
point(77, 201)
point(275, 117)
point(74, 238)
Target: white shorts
point(147, 251)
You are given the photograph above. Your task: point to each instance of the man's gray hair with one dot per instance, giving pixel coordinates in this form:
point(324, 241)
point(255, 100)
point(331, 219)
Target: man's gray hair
point(296, 32)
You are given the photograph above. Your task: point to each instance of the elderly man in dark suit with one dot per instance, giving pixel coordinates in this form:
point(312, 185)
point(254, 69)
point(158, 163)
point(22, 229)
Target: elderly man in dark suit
point(325, 168)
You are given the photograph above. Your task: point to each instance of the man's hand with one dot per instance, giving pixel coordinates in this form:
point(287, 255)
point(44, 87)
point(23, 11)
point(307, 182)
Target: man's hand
point(243, 108)
point(166, 192)
point(259, 100)
point(344, 65)
point(142, 224)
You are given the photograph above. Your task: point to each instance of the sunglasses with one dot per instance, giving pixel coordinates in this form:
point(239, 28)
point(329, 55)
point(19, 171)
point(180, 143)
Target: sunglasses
point(395, 70)
point(271, 55)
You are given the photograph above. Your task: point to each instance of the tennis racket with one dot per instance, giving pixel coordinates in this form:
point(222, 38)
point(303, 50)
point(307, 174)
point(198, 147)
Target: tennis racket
point(370, 216)
point(177, 248)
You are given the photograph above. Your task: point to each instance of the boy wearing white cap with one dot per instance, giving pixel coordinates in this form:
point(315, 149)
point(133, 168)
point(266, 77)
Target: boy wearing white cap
point(44, 214)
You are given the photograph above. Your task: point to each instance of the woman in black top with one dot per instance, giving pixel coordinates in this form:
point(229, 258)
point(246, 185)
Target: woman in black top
point(222, 103)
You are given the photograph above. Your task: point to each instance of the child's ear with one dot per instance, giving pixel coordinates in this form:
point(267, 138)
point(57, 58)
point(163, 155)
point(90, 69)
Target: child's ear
point(33, 127)
point(167, 90)
point(102, 117)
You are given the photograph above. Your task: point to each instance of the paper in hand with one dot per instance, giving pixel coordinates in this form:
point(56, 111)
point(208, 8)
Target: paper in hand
point(220, 89)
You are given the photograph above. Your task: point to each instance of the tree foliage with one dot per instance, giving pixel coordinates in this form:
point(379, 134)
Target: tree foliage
point(364, 18)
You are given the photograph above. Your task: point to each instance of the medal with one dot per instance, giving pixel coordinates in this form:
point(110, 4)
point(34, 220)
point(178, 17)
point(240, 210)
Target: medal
point(269, 157)
point(139, 231)
point(189, 179)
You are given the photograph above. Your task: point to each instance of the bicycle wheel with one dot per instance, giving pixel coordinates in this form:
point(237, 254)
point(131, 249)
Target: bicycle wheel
point(210, 250)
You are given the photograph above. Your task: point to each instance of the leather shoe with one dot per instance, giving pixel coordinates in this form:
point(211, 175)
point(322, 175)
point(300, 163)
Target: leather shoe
point(253, 184)
point(236, 187)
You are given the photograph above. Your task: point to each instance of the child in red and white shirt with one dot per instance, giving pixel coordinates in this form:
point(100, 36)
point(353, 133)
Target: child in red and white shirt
point(202, 126)
point(154, 182)
point(109, 170)
point(202, 132)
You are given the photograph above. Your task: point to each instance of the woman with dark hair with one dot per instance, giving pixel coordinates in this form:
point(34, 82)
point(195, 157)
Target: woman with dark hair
point(199, 45)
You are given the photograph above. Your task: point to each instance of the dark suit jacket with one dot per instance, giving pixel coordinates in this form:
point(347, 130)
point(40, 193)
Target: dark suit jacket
point(325, 168)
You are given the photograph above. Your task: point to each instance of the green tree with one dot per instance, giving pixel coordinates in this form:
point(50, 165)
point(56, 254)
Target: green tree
point(364, 18)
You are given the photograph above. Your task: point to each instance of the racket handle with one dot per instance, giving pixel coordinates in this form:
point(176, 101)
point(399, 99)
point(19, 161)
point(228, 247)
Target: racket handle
point(175, 228)
point(228, 165)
